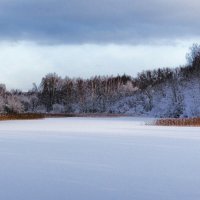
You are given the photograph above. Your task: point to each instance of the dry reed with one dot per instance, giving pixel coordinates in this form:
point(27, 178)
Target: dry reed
point(22, 116)
point(178, 122)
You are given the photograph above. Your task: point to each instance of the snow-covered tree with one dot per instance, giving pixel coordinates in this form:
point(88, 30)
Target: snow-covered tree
point(13, 105)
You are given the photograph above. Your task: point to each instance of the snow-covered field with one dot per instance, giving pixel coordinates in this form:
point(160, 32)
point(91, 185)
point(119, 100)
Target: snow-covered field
point(98, 159)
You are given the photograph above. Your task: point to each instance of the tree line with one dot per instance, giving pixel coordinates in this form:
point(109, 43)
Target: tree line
point(162, 92)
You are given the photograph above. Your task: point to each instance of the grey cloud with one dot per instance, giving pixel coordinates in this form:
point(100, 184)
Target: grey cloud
point(95, 21)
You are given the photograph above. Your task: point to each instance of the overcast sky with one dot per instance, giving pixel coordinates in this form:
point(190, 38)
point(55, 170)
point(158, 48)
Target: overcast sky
point(93, 37)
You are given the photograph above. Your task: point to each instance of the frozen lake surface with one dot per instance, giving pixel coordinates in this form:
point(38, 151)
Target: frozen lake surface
point(98, 159)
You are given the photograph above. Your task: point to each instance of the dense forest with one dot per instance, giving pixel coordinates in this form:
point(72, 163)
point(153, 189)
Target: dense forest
point(163, 92)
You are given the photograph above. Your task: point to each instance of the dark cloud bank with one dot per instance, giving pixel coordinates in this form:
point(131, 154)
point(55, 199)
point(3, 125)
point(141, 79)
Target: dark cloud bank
point(92, 21)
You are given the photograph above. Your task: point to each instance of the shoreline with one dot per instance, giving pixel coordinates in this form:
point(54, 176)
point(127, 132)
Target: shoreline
point(189, 122)
point(30, 116)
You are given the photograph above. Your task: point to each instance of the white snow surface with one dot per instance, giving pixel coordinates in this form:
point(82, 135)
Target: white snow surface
point(98, 159)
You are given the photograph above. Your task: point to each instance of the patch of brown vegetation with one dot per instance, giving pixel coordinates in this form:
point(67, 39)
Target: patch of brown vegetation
point(178, 122)
point(23, 116)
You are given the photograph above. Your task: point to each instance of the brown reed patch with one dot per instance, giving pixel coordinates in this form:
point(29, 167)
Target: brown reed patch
point(29, 116)
point(178, 122)
point(22, 116)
